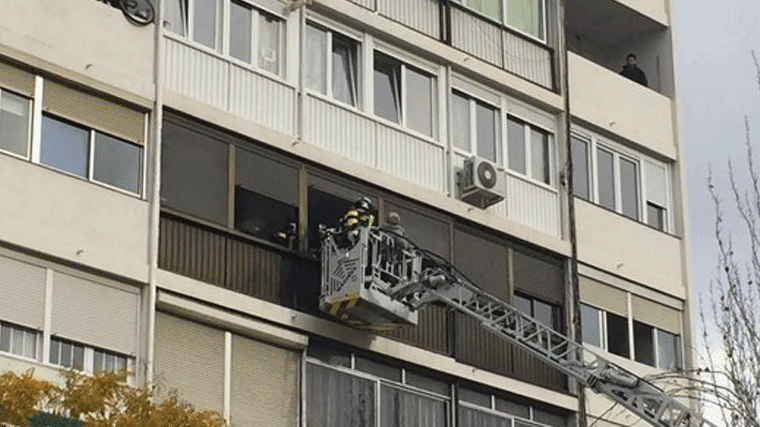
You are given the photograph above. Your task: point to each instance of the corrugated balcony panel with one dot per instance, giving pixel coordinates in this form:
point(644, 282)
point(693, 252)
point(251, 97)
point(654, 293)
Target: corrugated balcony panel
point(432, 331)
point(340, 130)
point(191, 250)
point(248, 89)
point(476, 36)
point(422, 15)
point(196, 74)
point(478, 347)
point(414, 159)
point(369, 4)
point(253, 271)
point(527, 59)
point(533, 205)
point(528, 368)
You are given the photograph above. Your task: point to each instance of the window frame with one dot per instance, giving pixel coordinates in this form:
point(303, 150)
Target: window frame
point(406, 63)
point(91, 147)
point(551, 155)
point(330, 33)
point(504, 19)
point(26, 333)
point(29, 124)
point(473, 101)
point(619, 154)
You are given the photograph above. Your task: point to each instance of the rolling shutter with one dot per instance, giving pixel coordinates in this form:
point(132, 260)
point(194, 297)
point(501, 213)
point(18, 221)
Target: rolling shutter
point(603, 296)
point(657, 315)
point(265, 384)
point(23, 290)
point(189, 358)
point(16, 80)
point(96, 314)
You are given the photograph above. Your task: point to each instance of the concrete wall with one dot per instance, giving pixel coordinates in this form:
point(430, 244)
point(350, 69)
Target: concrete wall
point(70, 218)
point(654, 9)
point(617, 105)
point(630, 249)
point(83, 36)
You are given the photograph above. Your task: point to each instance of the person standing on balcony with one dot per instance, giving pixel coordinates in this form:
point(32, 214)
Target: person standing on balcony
point(632, 71)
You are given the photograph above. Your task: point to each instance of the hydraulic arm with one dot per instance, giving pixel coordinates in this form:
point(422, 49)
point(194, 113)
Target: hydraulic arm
point(379, 280)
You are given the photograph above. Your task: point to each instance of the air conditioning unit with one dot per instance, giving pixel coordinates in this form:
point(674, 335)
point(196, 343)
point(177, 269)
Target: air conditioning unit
point(481, 183)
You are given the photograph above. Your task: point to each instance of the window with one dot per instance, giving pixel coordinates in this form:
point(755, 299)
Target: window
point(67, 146)
point(405, 95)
point(15, 120)
point(105, 361)
point(621, 181)
point(529, 150)
point(656, 347)
point(605, 330)
point(476, 127)
point(484, 409)
point(331, 64)
point(18, 340)
point(547, 314)
point(66, 354)
point(253, 36)
point(527, 16)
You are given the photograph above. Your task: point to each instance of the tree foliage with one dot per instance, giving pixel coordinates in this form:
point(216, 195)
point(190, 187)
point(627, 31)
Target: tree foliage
point(103, 400)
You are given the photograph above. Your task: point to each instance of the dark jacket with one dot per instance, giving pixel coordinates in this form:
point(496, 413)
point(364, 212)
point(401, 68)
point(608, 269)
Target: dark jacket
point(634, 73)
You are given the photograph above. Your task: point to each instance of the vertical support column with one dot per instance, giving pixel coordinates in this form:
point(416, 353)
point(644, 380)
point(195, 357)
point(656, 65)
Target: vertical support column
point(37, 118)
point(227, 375)
point(48, 319)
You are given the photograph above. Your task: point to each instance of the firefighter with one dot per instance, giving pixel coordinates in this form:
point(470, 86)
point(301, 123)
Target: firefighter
point(361, 214)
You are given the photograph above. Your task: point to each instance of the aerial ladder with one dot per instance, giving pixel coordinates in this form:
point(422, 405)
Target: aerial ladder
point(378, 280)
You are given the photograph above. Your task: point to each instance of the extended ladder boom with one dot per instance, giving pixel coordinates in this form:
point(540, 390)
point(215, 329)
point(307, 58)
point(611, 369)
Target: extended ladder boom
point(404, 274)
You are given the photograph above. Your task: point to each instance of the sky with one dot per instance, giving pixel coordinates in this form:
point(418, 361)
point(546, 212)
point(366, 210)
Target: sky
point(717, 88)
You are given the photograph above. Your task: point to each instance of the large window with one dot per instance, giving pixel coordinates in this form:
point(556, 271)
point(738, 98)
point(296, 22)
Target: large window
point(18, 340)
point(15, 121)
point(90, 154)
point(527, 16)
point(70, 354)
point(405, 95)
point(332, 64)
point(252, 36)
point(620, 180)
point(478, 409)
point(529, 149)
point(605, 330)
point(476, 127)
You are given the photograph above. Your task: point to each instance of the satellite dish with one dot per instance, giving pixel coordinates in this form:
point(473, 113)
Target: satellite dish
point(139, 12)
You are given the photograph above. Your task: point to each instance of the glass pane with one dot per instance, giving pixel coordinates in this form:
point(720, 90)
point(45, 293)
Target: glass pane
point(387, 88)
point(64, 146)
point(14, 123)
point(264, 207)
point(526, 16)
point(55, 348)
point(17, 341)
point(540, 156)
point(420, 98)
point(488, 134)
point(512, 408)
point(5, 338)
point(516, 145)
point(428, 384)
point(469, 417)
point(344, 66)
point(204, 22)
point(549, 418)
point(643, 338)
point(110, 362)
point(629, 188)
point(656, 216)
point(580, 168)
point(474, 397)
point(117, 163)
point(77, 360)
point(400, 408)
point(491, 8)
point(592, 334)
point(175, 19)
point(269, 43)
point(605, 178)
point(315, 69)
point(460, 124)
point(30, 344)
point(668, 347)
point(543, 312)
point(65, 354)
point(97, 365)
point(240, 32)
point(617, 334)
point(120, 363)
point(337, 399)
point(378, 369)
point(524, 305)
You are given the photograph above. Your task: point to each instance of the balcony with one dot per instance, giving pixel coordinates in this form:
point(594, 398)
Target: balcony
point(628, 248)
point(620, 106)
point(81, 36)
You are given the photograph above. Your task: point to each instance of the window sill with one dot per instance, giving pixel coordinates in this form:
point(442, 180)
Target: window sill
point(90, 181)
point(665, 232)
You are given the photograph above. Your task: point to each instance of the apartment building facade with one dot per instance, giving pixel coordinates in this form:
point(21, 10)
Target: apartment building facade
point(164, 186)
